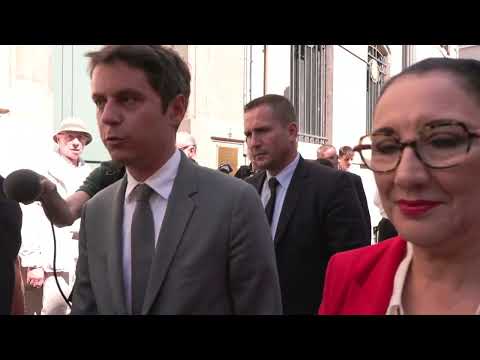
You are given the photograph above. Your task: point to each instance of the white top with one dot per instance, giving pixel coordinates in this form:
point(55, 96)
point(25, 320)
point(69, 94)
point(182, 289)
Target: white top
point(37, 237)
point(161, 182)
point(284, 178)
point(395, 306)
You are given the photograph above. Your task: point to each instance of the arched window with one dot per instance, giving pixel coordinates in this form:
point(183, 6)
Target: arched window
point(377, 70)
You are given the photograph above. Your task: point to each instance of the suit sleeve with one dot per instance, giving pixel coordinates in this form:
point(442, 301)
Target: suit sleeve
point(363, 202)
point(345, 224)
point(10, 228)
point(83, 300)
point(253, 276)
point(10, 241)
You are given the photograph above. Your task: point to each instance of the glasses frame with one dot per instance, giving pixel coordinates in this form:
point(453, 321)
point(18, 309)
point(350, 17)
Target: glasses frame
point(414, 145)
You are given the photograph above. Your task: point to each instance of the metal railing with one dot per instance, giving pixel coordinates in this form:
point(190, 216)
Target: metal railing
point(308, 90)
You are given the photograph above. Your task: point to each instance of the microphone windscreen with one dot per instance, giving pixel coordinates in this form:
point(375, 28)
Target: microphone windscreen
point(22, 186)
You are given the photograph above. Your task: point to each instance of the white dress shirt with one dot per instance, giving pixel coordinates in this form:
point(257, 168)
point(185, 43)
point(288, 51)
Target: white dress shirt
point(161, 182)
point(284, 178)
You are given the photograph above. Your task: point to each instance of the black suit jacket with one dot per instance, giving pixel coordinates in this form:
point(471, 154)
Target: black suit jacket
point(321, 216)
point(357, 182)
point(358, 185)
point(10, 241)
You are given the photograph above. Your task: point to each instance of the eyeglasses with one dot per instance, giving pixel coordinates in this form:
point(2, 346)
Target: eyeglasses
point(183, 148)
point(439, 145)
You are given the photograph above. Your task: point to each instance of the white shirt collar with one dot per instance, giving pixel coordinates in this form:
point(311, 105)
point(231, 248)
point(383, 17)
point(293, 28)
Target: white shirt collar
point(286, 174)
point(395, 305)
point(161, 181)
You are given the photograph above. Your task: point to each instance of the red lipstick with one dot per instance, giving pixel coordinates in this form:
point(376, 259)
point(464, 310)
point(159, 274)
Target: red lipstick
point(414, 208)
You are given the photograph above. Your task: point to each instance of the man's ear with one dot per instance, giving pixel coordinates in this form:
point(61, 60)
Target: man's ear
point(292, 129)
point(176, 109)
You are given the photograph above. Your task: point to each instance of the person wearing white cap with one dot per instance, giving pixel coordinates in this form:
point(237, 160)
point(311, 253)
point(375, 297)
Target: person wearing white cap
point(67, 170)
point(72, 137)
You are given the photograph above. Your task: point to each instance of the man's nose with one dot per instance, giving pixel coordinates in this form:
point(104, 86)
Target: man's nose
point(254, 139)
point(109, 114)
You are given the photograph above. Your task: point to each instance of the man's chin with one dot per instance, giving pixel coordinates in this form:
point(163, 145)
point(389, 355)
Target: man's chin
point(262, 165)
point(118, 156)
point(72, 157)
point(124, 160)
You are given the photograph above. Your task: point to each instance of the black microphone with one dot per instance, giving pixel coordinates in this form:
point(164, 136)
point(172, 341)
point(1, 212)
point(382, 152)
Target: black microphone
point(22, 186)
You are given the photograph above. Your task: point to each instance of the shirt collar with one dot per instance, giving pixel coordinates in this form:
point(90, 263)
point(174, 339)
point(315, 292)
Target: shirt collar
point(395, 306)
point(161, 181)
point(286, 174)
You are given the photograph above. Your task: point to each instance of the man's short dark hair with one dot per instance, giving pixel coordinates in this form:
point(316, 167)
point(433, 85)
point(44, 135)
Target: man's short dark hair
point(467, 71)
point(280, 105)
point(345, 150)
point(165, 70)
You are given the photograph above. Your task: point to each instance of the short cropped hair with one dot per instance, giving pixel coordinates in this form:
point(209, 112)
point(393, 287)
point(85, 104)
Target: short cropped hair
point(280, 105)
point(165, 70)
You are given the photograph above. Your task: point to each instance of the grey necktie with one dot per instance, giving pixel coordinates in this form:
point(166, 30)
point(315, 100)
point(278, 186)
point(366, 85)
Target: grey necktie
point(143, 246)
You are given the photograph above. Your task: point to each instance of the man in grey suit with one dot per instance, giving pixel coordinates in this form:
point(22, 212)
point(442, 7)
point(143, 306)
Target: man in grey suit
point(171, 237)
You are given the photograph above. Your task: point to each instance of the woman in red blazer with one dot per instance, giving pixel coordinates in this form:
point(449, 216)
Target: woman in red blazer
point(425, 153)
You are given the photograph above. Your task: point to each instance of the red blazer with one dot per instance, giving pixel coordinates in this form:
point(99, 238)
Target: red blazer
point(360, 281)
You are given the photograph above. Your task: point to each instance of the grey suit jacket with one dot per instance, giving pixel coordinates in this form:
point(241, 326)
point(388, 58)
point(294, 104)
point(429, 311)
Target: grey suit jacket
point(214, 254)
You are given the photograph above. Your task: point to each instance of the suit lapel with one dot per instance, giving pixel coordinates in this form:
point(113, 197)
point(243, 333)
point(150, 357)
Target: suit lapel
point(371, 291)
point(257, 181)
point(179, 210)
point(291, 199)
point(115, 249)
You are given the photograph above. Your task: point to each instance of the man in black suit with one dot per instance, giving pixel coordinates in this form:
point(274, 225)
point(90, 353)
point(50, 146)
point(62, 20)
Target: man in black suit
point(329, 153)
point(312, 209)
point(10, 241)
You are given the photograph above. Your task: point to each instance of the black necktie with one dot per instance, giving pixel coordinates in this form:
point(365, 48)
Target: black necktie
point(143, 246)
point(272, 184)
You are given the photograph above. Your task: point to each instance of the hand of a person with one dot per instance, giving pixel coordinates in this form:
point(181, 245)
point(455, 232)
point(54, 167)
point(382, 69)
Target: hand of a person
point(46, 186)
point(35, 277)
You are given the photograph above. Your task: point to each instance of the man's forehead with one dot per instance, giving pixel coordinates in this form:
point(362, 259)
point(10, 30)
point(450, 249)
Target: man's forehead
point(261, 116)
point(118, 76)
